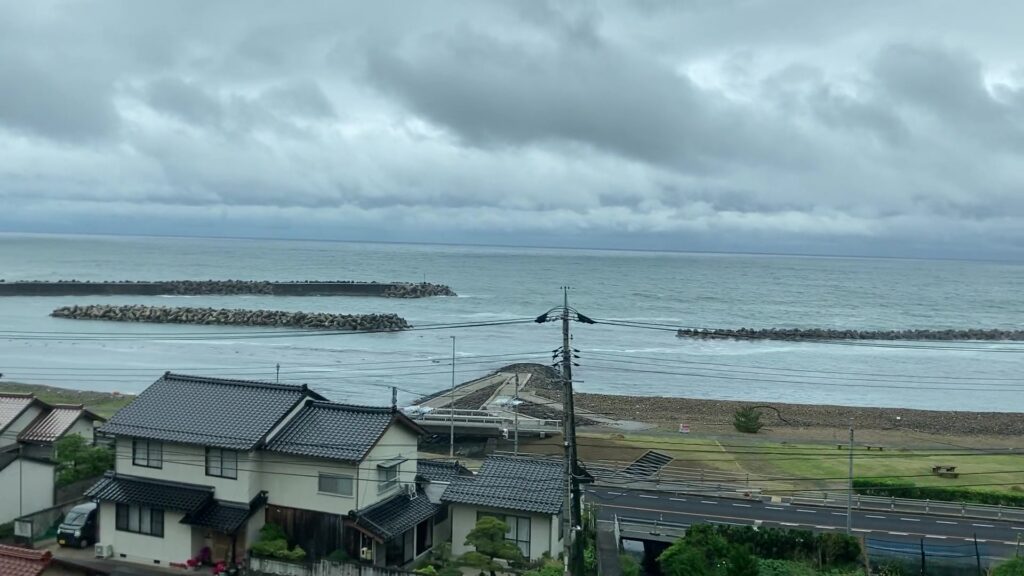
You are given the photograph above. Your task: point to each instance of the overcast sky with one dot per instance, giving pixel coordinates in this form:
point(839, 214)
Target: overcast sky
point(872, 127)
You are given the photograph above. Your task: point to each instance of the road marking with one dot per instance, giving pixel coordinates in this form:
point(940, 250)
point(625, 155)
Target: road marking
point(911, 519)
point(945, 522)
point(647, 496)
point(789, 523)
point(1016, 528)
point(741, 505)
point(808, 511)
point(774, 508)
point(934, 536)
point(899, 533)
point(707, 502)
point(839, 513)
point(678, 499)
point(873, 516)
point(825, 527)
point(983, 526)
point(861, 530)
point(615, 493)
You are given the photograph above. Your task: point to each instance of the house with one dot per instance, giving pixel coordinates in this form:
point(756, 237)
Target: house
point(206, 462)
point(22, 561)
point(29, 429)
point(525, 492)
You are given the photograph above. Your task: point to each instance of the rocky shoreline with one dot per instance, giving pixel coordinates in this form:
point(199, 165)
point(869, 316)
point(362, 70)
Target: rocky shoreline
point(225, 287)
point(670, 412)
point(234, 317)
point(832, 334)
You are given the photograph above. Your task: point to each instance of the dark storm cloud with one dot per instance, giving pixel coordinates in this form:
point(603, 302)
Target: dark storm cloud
point(737, 124)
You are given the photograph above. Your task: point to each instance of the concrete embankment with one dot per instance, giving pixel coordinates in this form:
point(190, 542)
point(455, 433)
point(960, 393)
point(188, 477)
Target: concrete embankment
point(831, 334)
point(234, 317)
point(224, 287)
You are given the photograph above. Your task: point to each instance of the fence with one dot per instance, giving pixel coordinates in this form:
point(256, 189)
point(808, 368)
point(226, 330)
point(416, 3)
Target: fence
point(39, 525)
point(269, 567)
point(931, 559)
point(862, 502)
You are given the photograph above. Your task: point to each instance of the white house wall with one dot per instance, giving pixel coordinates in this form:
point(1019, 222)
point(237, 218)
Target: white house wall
point(187, 463)
point(293, 482)
point(176, 545)
point(10, 434)
point(26, 486)
point(463, 518)
point(397, 442)
point(83, 427)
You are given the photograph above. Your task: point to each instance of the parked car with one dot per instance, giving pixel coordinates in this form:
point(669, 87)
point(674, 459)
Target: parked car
point(79, 526)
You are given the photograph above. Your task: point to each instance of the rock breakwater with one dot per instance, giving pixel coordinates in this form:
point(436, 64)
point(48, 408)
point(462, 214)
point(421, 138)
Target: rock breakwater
point(225, 287)
point(235, 317)
point(832, 334)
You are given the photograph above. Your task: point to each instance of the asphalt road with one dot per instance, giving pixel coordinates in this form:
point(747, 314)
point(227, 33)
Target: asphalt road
point(999, 538)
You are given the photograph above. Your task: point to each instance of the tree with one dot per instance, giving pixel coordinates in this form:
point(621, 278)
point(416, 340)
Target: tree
point(77, 460)
point(488, 537)
point(742, 563)
point(747, 420)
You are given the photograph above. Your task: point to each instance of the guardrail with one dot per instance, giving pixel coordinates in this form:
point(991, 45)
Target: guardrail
point(939, 507)
point(648, 529)
point(485, 417)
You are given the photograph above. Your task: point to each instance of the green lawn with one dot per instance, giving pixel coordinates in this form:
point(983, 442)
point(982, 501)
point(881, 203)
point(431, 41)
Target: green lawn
point(102, 403)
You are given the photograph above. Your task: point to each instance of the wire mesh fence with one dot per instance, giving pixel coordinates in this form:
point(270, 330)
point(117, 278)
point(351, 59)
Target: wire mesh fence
point(926, 558)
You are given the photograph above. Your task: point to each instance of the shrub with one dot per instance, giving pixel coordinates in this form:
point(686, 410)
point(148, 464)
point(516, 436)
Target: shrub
point(427, 570)
point(630, 567)
point(338, 555)
point(747, 420)
point(905, 489)
point(1013, 567)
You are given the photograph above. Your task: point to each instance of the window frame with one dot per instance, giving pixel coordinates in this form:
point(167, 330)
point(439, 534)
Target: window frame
point(151, 447)
point(219, 454)
point(124, 514)
point(384, 483)
point(351, 484)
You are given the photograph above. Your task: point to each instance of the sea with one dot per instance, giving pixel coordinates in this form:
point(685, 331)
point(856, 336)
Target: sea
point(636, 298)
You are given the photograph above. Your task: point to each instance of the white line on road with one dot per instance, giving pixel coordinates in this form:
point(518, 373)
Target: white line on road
point(707, 502)
point(647, 496)
point(839, 513)
point(741, 505)
point(873, 516)
point(911, 519)
point(678, 499)
point(945, 522)
point(934, 536)
point(774, 508)
point(825, 527)
point(861, 530)
point(808, 511)
point(1016, 528)
point(899, 533)
point(615, 493)
point(789, 523)
point(983, 525)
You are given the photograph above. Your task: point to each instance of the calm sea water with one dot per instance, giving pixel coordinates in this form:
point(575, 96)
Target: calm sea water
point(708, 290)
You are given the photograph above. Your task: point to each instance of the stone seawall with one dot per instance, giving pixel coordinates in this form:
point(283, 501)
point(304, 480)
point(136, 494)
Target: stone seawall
point(225, 287)
point(829, 334)
point(235, 317)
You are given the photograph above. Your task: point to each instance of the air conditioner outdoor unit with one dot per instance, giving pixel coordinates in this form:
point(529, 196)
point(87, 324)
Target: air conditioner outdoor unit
point(366, 553)
point(410, 490)
point(104, 550)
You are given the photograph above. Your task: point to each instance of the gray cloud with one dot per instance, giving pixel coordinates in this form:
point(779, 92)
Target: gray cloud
point(790, 125)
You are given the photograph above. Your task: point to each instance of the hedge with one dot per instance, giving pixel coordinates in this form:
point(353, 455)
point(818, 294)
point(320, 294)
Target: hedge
point(905, 489)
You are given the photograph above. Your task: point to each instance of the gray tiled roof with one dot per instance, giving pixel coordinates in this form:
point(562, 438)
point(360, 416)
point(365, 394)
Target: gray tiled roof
point(219, 412)
point(226, 517)
point(146, 492)
point(522, 483)
point(12, 405)
point(334, 431)
point(440, 470)
point(50, 426)
point(392, 517)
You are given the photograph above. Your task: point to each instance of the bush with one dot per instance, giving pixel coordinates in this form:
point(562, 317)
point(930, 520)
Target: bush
point(338, 555)
point(273, 543)
point(630, 567)
point(905, 489)
point(77, 460)
point(1013, 567)
point(747, 420)
point(427, 570)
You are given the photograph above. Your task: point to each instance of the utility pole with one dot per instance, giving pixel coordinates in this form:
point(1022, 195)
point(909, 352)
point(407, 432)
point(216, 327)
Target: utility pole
point(574, 558)
point(849, 488)
point(451, 408)
point(572, 510)
point(515, 412)
point(278, 380)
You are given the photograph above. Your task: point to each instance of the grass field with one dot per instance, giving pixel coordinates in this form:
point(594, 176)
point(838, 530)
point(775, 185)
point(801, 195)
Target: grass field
point(787, 466)
point(102, 403)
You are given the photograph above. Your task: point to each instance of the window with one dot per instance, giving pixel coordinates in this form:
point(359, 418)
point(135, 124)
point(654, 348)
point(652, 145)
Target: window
point(387, 477)
point(518, 529)
point(140, 519)
point(148, 453)
point(222, 463)
point(335, 484)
